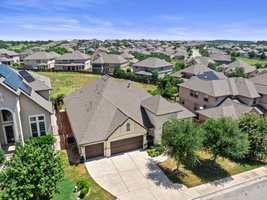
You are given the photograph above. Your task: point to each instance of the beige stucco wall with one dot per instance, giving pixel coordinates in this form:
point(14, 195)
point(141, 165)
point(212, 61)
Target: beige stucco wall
point(33, 63)
point(263, 101)
point(158, 122)
point(28, 108)
point(120, 134)
point(190, 102)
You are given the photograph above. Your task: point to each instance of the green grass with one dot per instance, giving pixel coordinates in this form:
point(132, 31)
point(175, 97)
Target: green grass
point(252, 61)
point(67, 82)
point(74, 173)
point(204, 172)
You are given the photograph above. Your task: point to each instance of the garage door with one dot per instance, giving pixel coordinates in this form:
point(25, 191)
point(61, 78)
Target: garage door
point(126, 144)
point(94, 150)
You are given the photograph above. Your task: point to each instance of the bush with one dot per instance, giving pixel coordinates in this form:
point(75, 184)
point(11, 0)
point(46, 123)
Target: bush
point(154, 151)
point(44, 140)
point(83, 186)
point(2, 156)
point(82, 160)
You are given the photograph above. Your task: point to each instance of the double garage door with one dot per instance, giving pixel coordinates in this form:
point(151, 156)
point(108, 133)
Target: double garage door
point(116, 147)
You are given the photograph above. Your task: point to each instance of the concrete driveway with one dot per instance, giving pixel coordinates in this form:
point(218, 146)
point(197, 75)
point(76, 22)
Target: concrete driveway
point(133, 175)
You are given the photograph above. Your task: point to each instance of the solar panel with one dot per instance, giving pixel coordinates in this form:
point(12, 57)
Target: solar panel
point(25, 88)
point(5, 71)
point(208, 76)
point(13, 81)
point(27, 76)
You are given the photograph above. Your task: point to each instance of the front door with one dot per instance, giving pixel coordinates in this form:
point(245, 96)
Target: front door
point(9, 133)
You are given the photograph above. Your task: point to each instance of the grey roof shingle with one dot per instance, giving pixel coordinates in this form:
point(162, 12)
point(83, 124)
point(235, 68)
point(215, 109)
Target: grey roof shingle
point(222, 87)
point(240, 64)
point(109, 58)
point(260, 82)
point(153, 63)
point(76, 55)
point(41, 55)
point(229, 108)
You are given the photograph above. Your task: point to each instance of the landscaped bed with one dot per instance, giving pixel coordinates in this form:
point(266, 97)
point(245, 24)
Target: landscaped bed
point(73, 173)
point(204, 171)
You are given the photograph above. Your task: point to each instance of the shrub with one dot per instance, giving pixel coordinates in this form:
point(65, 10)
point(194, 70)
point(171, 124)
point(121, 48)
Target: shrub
point(2, 156)
point(82, 160)
point(83, 186)
point(156, 150)
point(47, 139)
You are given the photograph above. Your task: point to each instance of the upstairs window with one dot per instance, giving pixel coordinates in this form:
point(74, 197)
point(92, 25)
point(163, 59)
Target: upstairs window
point(194, 93)
point(37, 125)
point(206, 97)
point(128, 127)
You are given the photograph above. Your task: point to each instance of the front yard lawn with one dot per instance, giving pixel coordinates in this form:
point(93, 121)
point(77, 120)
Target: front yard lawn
point(67, 82)
point(204, 172)
point(74, 173)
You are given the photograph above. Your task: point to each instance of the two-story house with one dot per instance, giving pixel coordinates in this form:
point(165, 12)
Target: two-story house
point(25, 108)
point(40, 60)
point(75, 61)
point(107, 63)
point(147, 66)
point(199, 93)
point(9, 57)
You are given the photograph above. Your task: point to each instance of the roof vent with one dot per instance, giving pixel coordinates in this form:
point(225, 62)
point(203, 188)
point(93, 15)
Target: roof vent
point(129, 85)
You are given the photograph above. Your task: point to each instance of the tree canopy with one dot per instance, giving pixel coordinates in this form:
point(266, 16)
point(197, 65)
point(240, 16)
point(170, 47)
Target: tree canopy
point(33, 172)
point(222, 137)
point(256, 128)
point(182, 140)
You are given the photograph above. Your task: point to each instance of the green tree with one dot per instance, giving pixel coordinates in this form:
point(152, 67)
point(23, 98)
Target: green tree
point(33, 172)
point(168, 85)
point(263, 56)
point(252, 54)
point(238, 72)
point(182, 140)
point(222, 137)
point(154, 77)
point(256, 128)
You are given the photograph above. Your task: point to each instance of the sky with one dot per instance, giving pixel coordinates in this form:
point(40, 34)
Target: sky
point(133, 19)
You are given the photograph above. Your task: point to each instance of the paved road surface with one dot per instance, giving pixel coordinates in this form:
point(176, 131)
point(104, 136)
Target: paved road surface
point(257, 191)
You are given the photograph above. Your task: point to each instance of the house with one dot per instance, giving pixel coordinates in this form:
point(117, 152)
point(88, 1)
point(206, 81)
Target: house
point(24, 108)
point(107, 63)
point(75, 61)
point(260, 83)
point(40, 60)
point(248, 69)
point(219, 56)
point(201, 60)
point(180, 54)
point(130, 58)
point(228, 108)
point(147, 66)
point(9, 57)
point(109, 117)
point(195, 70)
point(199, 93)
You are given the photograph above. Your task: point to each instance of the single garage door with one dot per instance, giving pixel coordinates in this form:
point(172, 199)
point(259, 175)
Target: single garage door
point(126, 144)
point(94, 150)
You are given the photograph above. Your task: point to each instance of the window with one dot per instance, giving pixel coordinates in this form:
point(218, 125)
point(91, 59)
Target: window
point(128, 127)
point(37, 125)
point(254, 101)
point(206, 97)
point(1, 97)
point(194, 94)
point(7, 116)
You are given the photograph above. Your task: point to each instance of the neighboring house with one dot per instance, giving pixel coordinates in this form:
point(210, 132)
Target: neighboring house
point(248, 69)
point(201, 60)
point(24, 111)
point(107, 63)
point(40, 60)
point(75, 61)
point(228, 108)
point(195, 70)
point(199, 93)
point(180, 54)
point(260, 83)
point(219, 56)
point(130, 58)
point(147, 66)
point(9, 57)
point(109, 117)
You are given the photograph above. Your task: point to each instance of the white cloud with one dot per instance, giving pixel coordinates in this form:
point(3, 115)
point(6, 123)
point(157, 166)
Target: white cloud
point(97, 21)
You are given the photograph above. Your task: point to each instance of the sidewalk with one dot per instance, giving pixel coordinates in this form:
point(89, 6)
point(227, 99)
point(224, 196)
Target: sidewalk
point(221, 186)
